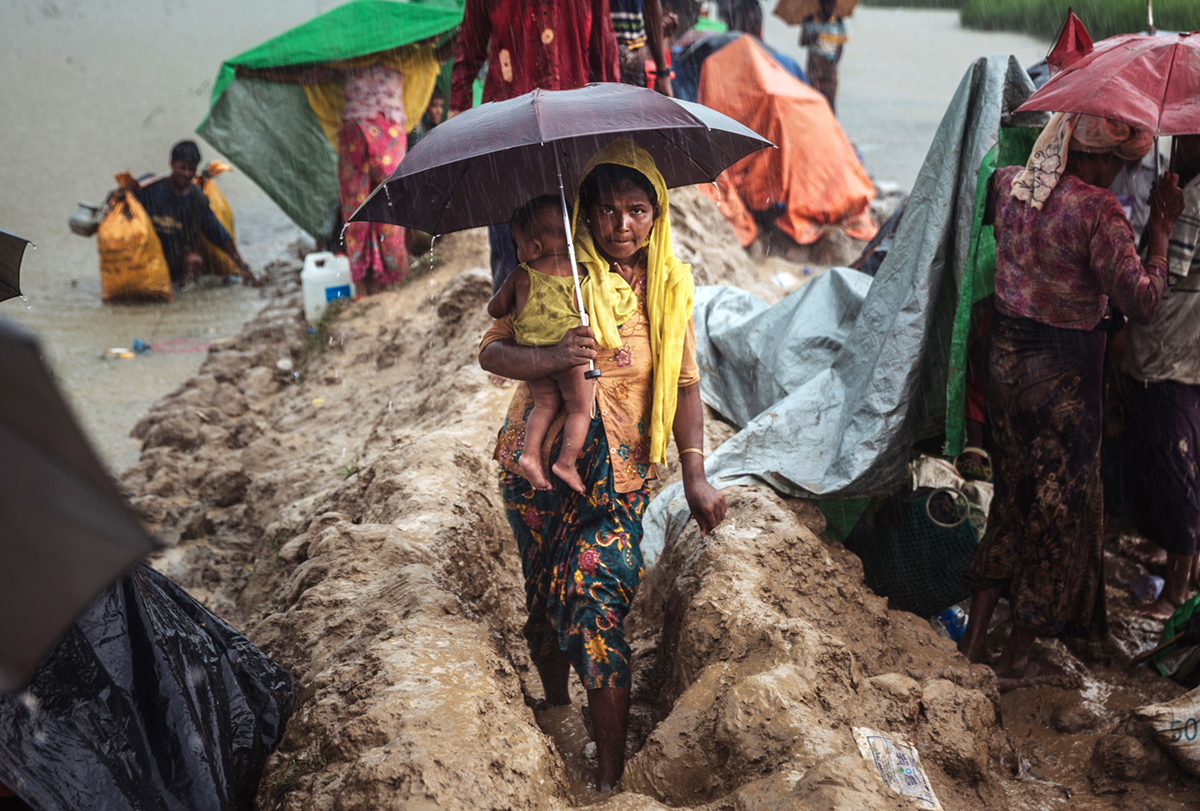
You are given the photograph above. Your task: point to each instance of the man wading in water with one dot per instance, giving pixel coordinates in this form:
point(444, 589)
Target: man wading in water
point(180, 213)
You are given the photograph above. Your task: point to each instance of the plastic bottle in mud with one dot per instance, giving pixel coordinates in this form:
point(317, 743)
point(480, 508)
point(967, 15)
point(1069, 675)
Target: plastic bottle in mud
point(951, 623)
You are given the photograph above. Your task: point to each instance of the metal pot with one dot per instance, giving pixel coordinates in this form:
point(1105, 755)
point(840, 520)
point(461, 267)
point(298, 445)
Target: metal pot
point(86, 219)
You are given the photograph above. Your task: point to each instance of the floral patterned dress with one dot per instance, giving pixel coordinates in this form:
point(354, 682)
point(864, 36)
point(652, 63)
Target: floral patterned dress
point(371, 143)
point(1056, 271)
point(581, 554)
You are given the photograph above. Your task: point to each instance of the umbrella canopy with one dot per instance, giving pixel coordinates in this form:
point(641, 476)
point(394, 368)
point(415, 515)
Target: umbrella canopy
point(1073, 44)
point(12, 248)
point(1149, 82)
point(65, 530)
point(279, 132)
point(793, 12)
point(479, 166)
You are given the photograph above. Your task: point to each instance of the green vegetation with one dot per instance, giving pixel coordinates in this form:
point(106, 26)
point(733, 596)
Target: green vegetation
point(350, 468)
point(1043, 18)
point(1103, 18)
point(321, 335)
point(914, 3)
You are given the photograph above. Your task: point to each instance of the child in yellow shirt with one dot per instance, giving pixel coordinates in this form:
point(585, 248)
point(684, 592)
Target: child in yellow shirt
point(541, 294)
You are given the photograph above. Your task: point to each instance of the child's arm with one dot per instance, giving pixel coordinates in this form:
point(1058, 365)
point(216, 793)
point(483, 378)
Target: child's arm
point(502, 303)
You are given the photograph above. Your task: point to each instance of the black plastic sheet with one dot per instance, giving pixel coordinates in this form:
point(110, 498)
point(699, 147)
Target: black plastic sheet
point(149, 701)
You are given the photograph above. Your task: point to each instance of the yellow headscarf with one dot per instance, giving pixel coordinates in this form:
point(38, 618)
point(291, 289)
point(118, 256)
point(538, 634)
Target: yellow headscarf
point(669, 291)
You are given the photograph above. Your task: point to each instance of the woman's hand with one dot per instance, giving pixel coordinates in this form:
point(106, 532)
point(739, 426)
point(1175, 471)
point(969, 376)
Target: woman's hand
point(508, 359)
point(577, 347)
point(706, 502)
point(1166, 200)
point(1166, 204)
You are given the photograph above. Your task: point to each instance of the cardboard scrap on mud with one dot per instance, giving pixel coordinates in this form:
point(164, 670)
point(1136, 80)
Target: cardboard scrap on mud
point(899, 766)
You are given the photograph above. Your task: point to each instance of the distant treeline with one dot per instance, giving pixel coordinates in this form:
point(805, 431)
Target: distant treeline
point(1042, 18)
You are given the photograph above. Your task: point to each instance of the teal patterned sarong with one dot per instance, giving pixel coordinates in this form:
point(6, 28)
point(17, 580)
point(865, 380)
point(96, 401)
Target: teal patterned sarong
point(582, 560)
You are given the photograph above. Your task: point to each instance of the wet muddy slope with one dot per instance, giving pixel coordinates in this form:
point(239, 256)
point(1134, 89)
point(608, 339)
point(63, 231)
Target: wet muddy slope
point(345, 513)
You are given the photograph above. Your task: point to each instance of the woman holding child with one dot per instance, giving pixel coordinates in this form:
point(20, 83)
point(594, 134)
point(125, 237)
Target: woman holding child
point(581, 551)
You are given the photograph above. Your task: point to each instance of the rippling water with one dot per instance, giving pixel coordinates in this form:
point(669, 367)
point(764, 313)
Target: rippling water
point(91, 89)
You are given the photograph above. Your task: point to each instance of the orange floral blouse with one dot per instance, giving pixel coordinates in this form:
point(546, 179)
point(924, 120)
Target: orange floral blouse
point(623, 396)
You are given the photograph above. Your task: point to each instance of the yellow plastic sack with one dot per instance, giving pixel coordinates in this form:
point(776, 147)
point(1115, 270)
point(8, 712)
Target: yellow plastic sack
point(216, 261)
point(132, 265)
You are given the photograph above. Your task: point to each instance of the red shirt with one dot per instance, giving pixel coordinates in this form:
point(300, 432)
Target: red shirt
point(551, 44)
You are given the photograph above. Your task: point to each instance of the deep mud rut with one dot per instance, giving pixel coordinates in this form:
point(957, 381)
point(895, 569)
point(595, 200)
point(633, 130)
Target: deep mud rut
point(349, 520)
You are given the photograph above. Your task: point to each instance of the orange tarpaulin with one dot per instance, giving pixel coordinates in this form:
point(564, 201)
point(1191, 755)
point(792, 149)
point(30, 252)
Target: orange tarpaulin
point(815, 172)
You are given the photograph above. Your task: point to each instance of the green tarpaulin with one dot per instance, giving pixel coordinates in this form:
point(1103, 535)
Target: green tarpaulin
point(979, 278)
point(268, 129)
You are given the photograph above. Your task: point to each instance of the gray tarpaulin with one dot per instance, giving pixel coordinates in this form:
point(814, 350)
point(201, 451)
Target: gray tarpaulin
point(832, 387)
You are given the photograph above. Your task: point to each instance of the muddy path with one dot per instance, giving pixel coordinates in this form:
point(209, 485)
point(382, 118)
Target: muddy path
point(345, 513)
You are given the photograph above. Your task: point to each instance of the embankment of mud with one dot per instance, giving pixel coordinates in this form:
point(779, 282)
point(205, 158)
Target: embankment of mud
point(348, 518)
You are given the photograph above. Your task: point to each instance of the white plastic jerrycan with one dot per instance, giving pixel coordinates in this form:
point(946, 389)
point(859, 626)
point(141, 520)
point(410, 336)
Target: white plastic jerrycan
point(325, 277)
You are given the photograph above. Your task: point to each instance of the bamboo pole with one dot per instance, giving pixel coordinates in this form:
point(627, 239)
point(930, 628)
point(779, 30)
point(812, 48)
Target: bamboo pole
point(1150, 17)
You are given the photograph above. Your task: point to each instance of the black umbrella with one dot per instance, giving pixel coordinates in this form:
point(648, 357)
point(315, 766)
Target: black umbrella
point(478, 167)
point(65, 530)
point(12, 248)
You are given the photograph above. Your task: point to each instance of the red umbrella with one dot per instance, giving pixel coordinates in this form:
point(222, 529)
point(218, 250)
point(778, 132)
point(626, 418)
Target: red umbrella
point(1073, 44)
point(1148, 82)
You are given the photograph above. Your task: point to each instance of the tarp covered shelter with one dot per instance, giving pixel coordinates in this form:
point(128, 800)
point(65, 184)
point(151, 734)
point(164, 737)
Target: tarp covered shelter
point(814, 178)
point(283, 134)
point(841, 422)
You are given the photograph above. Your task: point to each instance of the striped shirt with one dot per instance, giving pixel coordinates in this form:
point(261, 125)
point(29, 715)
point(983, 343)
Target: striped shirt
point(628, 23)
point(1168, 348)
point(1181, 250)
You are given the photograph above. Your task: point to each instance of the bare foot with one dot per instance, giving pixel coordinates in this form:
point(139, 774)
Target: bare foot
point(1148, 554)
point(1038, 674)
point(567, 472)
point(531, 469)
point(1160, 609)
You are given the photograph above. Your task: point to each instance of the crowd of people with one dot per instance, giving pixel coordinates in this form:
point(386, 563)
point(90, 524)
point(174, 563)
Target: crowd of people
point(1066, 259)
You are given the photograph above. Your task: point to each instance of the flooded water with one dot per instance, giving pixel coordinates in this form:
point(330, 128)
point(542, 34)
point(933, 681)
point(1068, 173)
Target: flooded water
point(94, 87)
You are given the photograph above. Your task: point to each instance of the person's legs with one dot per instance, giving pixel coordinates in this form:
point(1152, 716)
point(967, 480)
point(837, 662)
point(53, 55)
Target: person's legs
point(609, 708)
point(1175, 587)
point(1015, 669)
point(546, 402)
point(974, 639)
point(593, 564)
point(504, 254)
point(388, 144)
point(354, 185)
point(554, 671)
point(577, 392)
point(193, 266)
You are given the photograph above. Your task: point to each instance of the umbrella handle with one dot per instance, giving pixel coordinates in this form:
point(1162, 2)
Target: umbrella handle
point(592, 373)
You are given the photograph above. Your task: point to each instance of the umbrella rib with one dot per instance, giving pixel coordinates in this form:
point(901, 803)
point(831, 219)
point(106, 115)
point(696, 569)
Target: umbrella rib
point(686, 154)
point(1166, 86)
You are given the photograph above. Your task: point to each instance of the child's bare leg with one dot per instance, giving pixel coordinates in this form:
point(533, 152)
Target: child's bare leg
point(577, 392)
point(546, 401)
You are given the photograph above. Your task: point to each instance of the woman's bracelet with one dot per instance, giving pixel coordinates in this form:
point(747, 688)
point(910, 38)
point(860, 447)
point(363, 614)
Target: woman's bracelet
point(1156, 256)
point(692, 450)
